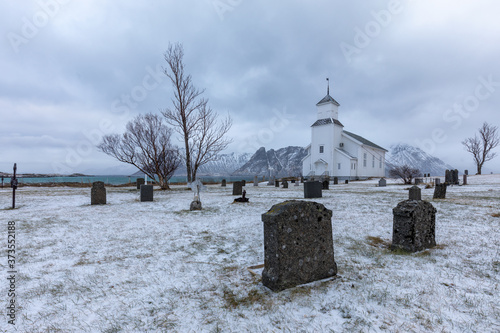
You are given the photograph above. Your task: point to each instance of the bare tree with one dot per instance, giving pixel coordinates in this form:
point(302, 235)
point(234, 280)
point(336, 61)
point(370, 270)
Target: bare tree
point(405, 172)
point(202, 134)
point(146, 145)
point(480, 147)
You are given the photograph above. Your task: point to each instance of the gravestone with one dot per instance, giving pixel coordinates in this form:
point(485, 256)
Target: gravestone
point(326, 185)
point(418, 181)
point(440, 191)
point(298, 244)
point(465, 179)
point(285, 184)
point(415, 193)
point(466, 172)
point(448, 179)
point(414, 224)
point(347, 181)
point(455, 177)
point(312, 190)
point(195, 204)
point(255, 181)
point(276, 183)
point(146, 193)
point(271, 181)
point(382, 182)
point(244, 182)
point(292, 181)
point(437, 181)
point(223, 183)
point(98, 194)
point(335, 180)
point(296, 183)
point(237, 188)
point(140, 181)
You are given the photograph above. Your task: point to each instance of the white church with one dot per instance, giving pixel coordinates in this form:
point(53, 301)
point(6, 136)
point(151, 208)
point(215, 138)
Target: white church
point(338, 153)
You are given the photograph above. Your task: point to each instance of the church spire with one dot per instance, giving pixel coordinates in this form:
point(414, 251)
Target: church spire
point(328, 87)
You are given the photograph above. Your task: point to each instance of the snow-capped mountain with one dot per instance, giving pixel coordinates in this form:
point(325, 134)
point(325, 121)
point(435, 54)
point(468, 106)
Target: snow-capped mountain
point(225, 164)
point(401, 154)
point(283, 162)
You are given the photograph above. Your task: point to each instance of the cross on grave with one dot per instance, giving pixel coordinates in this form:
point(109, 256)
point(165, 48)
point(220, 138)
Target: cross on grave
point(13, 184)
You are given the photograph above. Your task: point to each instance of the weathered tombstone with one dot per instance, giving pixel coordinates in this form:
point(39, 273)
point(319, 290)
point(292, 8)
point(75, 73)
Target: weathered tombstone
point(447, 177)
point(335, 180)
point(285, 184)
point(382, 182)
point(465, 179)
point(98, 194)
point(139, 181)
point(418, 181)
point(414, 224)
point(312, 190)
point(276, 183)
point(437, 181)
point(195, 204)
point(455, 177)
point(237, 188)
point(440, 191)
point(298, 244)
point(347, 181)
point(146, 193)
point(415, 193)
point(325, 185)
point(255, 181)
point(244, 182)
point(466, 172)
point(296, 183)
point(223, 183)
point(292, 181)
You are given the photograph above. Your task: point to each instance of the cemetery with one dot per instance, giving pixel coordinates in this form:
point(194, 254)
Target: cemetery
point(357, 256)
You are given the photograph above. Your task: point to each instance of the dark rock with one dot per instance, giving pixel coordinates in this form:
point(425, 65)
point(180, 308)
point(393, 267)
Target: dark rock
point(298, 244)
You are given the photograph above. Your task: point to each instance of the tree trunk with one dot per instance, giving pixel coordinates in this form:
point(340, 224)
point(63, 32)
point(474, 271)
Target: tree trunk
point(479, 167)
point(188, 160)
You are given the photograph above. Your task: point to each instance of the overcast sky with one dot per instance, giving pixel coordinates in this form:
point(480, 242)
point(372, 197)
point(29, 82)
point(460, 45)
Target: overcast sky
point(426, 73)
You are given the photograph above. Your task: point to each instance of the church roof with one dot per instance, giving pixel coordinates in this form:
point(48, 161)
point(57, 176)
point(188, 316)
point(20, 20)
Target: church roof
point(328, 99)
point(327, 121)
point(363, 140)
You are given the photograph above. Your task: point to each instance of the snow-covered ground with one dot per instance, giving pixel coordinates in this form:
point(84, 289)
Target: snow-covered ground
point(134, 267)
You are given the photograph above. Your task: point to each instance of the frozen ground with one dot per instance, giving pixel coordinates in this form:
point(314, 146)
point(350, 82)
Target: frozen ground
point(135, 267)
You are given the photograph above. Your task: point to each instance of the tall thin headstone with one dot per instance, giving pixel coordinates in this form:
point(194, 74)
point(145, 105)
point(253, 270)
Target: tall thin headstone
point(298, 244)
point(465, 179)
point(98, 194)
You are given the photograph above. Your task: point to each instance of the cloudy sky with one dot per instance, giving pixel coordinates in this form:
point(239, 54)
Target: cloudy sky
point(426, 73)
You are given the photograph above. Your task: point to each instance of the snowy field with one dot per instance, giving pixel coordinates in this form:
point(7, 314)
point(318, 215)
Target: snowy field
point(135, 267)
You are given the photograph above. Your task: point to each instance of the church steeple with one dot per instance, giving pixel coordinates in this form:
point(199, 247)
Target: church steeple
point(327, 107)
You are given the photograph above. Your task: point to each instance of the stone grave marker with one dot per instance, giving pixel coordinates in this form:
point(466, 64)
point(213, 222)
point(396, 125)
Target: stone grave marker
point(146, 193)
point(255, 181)
point(312, 190)
point(335, 180)
point(276, 183)
point(448, 179)
point(382, 182)
point(465, 179)
point(347, 181)
point(325, 185)
point(437, 181)
point(415, 193)
point(271, 181)
point(244, 182)
point(237, 188)
point(98, 194)
point(298, 244)
point(466, 172)
point(296, 183)
point(140, 181)
point(440, 191)
point(285, 184)
point(455, 177)
point(414, 224)
point(223, 183)
point(418, 181)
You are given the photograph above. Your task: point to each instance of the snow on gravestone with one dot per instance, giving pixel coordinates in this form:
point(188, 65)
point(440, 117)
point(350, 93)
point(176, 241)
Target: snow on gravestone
point(298, 244)
point(414, 223)
point(98, 194)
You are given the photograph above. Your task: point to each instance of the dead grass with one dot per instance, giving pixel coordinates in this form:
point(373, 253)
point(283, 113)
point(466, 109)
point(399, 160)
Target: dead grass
point(378, 242)
point(495, 214)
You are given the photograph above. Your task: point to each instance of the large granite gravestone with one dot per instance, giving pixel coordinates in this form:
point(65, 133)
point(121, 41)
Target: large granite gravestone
point(382, 182)
point(415, 193)
point(325, 185)
point(223, 183)
point(335, 180)
point(98, 194)
point(414, 224)
point(455, 176)
point(255, 181)
point(276, 183)
point(285, 184)
point(146, 193)
point(312, 190)
point(140, 181)
point(448, 178)
point(440, 191)
point(298, 244)
point(465, 179)
point(237, 188)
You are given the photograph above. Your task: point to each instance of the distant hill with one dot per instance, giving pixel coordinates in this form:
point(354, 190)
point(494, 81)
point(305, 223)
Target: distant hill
point(283, 162)
point(401, 154)
point(224, 165)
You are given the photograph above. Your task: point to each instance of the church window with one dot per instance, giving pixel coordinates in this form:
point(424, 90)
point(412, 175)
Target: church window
point(364, 160)
point(373, 161)
point(339, 166)
point(380, 162)
point(321, 149)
